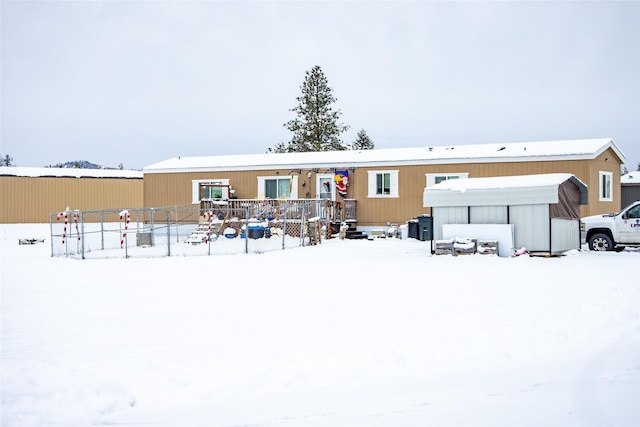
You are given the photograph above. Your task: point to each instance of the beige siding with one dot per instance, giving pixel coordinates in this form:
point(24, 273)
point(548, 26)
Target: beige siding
point(412, 180)
point(606, 162)
point(31, 200)
point(175, 189)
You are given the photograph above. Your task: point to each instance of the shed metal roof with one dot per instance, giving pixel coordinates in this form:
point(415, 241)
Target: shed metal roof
point(500, 191)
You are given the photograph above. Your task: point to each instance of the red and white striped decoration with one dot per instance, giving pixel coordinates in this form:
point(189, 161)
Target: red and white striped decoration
point(126, 217)
point(208, 215)
point(76, 215)
point(64, 215)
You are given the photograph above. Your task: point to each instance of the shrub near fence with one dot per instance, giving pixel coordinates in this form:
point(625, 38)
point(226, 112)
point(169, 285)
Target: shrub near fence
point(158, 232)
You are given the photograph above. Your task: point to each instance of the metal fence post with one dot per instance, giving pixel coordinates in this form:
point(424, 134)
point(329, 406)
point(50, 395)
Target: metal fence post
point(83, 235)
point(51, 232)
point(102, 229)
point(65, 235)
point(177, 227)
point(284, 226)
point(168, 233)
point(246, 232)
point(151, 221)
point(302, 222)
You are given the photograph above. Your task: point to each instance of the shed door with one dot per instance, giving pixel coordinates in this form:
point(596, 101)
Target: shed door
point(448, 215)
point(531, 226)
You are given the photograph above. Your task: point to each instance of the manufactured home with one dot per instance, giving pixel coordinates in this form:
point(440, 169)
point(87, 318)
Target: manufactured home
point(373, 188)
point(30, 195)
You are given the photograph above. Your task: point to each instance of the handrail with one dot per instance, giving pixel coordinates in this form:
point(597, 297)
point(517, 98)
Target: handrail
point(326, 210)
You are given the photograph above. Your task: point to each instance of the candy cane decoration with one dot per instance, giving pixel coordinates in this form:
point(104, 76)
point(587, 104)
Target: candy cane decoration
point(66, 220)
point(76, 215)
point(209, 215)
point(124, 216)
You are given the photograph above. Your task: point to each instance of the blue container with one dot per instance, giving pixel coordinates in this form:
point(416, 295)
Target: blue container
point(255, 231)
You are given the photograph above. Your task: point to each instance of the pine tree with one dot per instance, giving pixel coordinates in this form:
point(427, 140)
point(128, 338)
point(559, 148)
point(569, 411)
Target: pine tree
point(362, 142)
point(6, 161)
point(316, 127)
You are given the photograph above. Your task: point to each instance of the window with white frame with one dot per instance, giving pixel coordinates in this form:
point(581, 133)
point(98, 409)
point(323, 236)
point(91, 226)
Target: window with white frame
point(383, 183)
point(208, 189)
point(436, 178)
point(277, 187)
point(606, 186)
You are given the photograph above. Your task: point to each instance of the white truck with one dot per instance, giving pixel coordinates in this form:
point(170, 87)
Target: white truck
point(612, 231)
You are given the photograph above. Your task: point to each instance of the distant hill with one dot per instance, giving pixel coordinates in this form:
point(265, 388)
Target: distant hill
point(79, 164)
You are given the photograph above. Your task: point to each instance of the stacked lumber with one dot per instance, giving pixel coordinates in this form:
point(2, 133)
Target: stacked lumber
point(443, 247)
point(487, 247)
point(464, 246)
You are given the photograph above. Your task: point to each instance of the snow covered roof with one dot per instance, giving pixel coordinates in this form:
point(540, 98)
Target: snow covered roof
point(630, 178)
point(500, 191)
point(68, 172)
point(479, 153)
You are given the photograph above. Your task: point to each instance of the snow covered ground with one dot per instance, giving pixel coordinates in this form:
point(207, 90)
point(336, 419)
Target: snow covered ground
point(346, 333)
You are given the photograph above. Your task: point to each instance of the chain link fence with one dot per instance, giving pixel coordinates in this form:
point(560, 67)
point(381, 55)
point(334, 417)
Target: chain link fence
point(185, 230)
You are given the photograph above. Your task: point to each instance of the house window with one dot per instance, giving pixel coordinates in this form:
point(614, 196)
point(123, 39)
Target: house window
point(275, 187)
point(383, 183)
point(210, 192)
point(606, 186)
point(436, 178)
point(208, 189)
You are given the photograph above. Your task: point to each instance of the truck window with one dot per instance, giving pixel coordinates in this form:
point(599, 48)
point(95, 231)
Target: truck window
point(634, 212)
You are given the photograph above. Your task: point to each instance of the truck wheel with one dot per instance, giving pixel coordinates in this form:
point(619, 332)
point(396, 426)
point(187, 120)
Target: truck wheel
point(600, 242)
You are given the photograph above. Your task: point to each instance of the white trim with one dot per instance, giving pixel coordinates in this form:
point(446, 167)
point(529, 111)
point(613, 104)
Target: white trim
point(431, 177)
point(601, 189)
point(393, 184)
point(195, 187)
point(332, 191)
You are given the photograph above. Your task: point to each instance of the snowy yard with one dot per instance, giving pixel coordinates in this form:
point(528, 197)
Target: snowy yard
point(346, 333)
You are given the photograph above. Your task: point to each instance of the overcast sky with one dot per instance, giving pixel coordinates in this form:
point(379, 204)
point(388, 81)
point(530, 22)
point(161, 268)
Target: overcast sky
point(137, 82)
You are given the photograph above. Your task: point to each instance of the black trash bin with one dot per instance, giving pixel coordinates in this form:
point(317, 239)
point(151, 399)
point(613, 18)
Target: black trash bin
point(425, 227)
point(413, 228)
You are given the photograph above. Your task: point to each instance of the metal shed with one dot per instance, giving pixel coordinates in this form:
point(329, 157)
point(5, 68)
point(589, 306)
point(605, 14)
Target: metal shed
point(543, 209)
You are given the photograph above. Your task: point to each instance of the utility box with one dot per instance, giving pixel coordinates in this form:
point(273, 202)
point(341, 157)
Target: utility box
point(425, 227)
point(144, 239)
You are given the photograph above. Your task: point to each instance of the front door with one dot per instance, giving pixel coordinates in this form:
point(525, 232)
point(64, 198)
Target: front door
point(325, 187)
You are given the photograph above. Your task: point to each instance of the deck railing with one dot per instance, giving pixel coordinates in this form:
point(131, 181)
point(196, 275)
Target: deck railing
point(326, 210)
